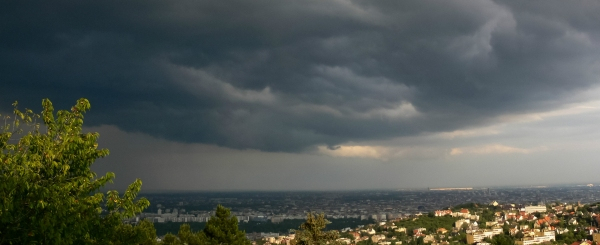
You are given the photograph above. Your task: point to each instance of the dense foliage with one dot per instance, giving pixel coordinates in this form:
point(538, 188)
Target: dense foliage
point(223, 229)
point(311, 232)
point(48, 193)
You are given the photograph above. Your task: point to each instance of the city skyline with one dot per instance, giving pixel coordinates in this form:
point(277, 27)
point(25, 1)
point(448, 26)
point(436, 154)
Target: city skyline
point(319, 95)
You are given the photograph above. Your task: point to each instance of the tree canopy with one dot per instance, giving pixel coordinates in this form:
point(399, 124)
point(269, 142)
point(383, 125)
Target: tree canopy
point(311, 232)
point(222, 228)
point(48, 192)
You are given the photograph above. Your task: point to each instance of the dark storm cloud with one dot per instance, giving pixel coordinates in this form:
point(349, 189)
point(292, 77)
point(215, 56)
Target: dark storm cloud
point(287, 75)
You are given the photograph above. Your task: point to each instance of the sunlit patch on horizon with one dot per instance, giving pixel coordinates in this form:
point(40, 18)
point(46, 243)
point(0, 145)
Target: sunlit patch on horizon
point(570, 110)
point(494, 149)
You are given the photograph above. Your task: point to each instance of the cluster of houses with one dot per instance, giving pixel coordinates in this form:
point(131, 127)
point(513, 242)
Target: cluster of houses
point(541, 226)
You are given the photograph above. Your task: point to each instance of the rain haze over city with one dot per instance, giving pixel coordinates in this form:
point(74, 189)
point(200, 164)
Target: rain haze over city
point(331, 95)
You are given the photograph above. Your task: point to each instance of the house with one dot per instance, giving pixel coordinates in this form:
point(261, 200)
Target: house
point(561, 230)
point(474, 226)
point(531, 218)
point(464, 213)
point(537, 237)
point(584, 242)
point(344, 240)
point(355, 234)
point(573, 221)
point(508, 207)
point(429, 239)
point(478, 236)
point(439, 213)
point(558, 209)
point(377, 238)
point(418, 231)
point(491, 223)
point(510, 216)
point(401, 229)
point(544, 222)
point(534, 209)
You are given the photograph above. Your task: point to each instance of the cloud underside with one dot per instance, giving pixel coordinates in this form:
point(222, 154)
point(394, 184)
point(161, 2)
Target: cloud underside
point(292, 76)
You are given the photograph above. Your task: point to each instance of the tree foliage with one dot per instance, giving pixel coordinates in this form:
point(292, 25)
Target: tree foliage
point(187, 236)
point(429, 223)
point(171, 239)
point(501, 239)
point(311, 232)
point(143, 233)
point(222, 228)
point(48, 193)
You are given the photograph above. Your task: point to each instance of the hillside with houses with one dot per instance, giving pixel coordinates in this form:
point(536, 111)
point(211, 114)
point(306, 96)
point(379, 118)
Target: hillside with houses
point(488, 224)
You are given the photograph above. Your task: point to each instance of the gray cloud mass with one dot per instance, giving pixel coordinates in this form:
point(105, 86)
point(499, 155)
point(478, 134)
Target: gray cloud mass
point(290, 75)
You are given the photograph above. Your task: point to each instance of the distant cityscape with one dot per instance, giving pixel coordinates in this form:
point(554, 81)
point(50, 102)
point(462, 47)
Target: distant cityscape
point(376, 205)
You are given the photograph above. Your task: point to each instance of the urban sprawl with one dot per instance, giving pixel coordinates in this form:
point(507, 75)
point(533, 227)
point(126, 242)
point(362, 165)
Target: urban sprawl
point(520, 216)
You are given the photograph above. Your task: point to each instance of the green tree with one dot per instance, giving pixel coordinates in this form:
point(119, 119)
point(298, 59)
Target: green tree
point(347, 235)
point(464, 227)
point(171, 239)
point(187, 236)
point(311, 232)
point(366, 242)
point(502, 239)
point(48, 193)
point(222, 228)
point(143, 233)
point(519, 235)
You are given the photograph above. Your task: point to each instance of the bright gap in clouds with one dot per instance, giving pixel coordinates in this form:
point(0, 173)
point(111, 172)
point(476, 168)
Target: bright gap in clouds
point(503, 137)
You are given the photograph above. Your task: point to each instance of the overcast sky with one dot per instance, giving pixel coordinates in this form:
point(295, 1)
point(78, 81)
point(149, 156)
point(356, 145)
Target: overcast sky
point(319, 95)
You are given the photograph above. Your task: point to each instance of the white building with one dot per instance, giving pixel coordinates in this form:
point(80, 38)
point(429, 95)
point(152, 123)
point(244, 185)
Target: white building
point(478, 236)
point(533, 209)
point(539, 237)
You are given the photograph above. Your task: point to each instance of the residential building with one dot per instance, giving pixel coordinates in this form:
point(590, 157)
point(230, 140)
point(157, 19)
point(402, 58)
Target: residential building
point(377, 238)
point(534, 209)
point(538, 237)
point(478, 236)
